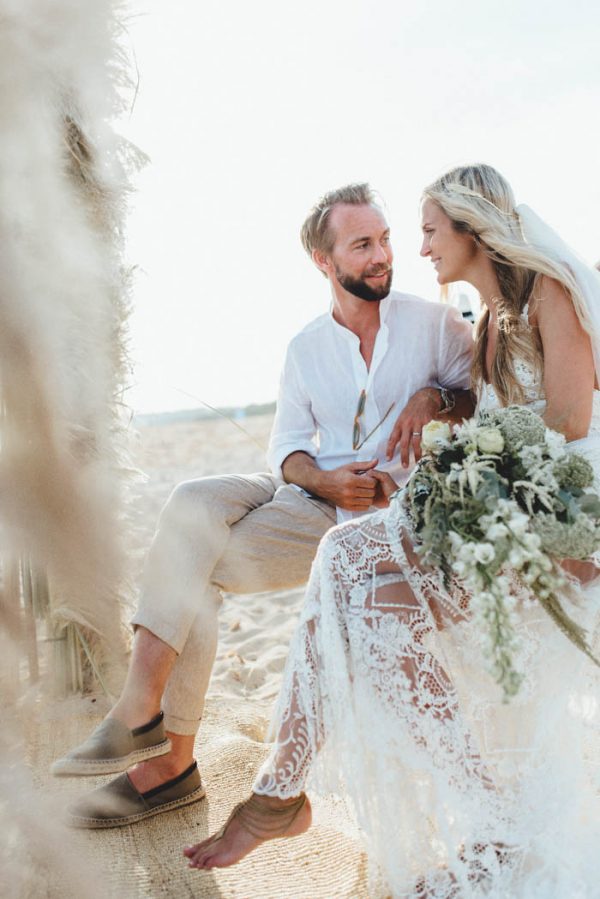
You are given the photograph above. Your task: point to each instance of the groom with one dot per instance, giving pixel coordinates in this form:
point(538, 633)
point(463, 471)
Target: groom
point(358, 382)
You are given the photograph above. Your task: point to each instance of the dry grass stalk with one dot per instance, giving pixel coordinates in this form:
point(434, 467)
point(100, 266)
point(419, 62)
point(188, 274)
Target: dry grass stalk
point(63, 456)
point(63, 309)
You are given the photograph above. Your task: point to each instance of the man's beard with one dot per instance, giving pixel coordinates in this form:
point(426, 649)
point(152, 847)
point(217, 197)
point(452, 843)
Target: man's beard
point(361, 289)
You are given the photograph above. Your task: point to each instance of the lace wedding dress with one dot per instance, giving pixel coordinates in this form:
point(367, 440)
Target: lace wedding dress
point(386, 701)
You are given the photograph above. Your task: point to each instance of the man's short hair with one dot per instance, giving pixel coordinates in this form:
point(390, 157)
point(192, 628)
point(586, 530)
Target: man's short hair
point(316, 233)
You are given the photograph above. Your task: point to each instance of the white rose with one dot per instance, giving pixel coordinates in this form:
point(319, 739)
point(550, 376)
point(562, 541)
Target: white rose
point(466, 552)
point(516, 557)
point(456, 541)
point(518, 523)
point(484, 553)
point(497, 531)
point(490, 440)
point(435, 435)
point(532, 541)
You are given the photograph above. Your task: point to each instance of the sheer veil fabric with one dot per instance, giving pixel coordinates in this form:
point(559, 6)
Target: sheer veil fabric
point(386, 701)
point(539, 234)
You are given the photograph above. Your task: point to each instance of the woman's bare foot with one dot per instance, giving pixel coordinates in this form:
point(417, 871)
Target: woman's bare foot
point(251, 823)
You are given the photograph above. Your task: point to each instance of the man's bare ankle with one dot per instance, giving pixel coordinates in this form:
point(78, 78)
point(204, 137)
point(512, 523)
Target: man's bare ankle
point(169, 765)
point(132, 717)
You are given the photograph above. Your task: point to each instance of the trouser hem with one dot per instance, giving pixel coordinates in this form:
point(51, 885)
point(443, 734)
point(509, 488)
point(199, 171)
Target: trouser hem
point(163, 630)
point(183, 727)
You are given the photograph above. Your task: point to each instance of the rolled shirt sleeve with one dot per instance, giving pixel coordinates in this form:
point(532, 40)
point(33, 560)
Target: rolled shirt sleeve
point(294, 427)
point(455, 353)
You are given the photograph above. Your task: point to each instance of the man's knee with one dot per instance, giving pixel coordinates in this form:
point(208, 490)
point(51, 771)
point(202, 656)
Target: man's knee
point(219, 500)
point(256, 566)
point(254, 576)
point(192, 504)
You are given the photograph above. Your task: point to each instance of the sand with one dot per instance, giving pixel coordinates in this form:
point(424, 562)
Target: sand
point(145, 860)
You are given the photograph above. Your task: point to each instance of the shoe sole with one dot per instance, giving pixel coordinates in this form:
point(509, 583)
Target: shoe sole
point(104, 823)
point(86, 767)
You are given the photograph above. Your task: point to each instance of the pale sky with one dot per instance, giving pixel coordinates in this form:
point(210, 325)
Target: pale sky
point(249, 111)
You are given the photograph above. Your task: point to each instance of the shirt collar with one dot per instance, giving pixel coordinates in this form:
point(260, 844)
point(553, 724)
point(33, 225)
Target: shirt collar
point(384, 308)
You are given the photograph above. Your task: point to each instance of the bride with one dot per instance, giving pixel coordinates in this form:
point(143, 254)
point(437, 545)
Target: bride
point(385, 698)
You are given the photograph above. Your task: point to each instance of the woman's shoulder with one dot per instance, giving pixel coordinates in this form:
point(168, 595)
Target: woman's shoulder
point(547, 295)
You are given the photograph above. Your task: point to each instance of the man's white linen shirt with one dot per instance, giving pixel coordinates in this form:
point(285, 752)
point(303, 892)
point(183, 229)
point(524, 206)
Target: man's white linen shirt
point(419, 344)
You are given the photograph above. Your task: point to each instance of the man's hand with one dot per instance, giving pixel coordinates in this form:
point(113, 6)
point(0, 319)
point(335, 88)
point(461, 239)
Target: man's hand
point(355, 487)
point(352, 486)
point(421, 408)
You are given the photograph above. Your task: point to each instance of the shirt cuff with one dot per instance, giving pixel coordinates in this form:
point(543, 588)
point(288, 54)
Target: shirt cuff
point(277, 455)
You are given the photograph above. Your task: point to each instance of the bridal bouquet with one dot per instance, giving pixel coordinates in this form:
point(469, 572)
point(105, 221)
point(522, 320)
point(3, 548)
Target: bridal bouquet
point(502, 494)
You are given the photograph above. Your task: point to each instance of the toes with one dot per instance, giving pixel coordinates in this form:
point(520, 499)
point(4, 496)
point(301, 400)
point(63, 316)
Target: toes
point(211, 857)
point(192, 851)
point(200, 855)
point(202, 860)
point(195, 860)
point(209, 860)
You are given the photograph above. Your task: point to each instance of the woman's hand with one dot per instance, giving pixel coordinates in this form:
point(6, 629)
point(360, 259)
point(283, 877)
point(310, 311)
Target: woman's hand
point(385, 486)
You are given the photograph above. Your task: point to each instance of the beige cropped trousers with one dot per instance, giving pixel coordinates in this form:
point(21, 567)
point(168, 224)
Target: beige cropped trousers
point(233, 533)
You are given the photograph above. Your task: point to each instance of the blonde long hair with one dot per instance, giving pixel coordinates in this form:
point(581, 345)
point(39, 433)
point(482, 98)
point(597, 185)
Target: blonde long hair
point(479, 201)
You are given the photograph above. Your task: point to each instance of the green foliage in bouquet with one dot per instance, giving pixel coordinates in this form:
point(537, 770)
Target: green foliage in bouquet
point(503, 493)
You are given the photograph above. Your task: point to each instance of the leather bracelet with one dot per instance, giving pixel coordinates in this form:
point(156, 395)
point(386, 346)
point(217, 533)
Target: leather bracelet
point(448, 399)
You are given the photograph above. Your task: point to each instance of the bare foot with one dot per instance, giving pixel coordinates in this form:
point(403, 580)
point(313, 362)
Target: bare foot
point(234, 841)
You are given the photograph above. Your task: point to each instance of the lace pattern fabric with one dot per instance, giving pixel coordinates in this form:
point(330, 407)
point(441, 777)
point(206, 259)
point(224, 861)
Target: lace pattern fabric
point(386, 701)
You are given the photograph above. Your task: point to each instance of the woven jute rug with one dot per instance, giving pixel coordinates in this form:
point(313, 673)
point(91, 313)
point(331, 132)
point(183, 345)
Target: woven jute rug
point(145, 860)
